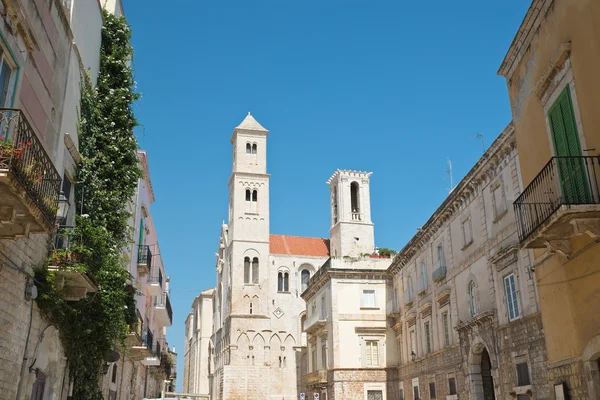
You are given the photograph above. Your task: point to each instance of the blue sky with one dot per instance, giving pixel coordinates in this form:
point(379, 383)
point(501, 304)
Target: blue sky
point(392, 87)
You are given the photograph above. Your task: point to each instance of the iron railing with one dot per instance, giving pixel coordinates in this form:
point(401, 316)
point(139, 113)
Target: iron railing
point(145, 256)
point(163, 301)
point(572, 180)
point(156, 277)
point(149, 340)
point(439, 273)
point(22, 153)
point(63, 237)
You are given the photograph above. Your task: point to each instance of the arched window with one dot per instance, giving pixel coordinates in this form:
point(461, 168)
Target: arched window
point(304, 278)
point(247, 194)
point(355, 200)
point(280, 281)
point(255, 195)
point(286, 282)
point(114, 374)
point(255, 270)
point(248, 148)
point(254, 147)
point(246, 269)
point(473, 298)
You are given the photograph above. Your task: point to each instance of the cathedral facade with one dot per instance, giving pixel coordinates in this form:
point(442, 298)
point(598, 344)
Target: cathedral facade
point(257, 348)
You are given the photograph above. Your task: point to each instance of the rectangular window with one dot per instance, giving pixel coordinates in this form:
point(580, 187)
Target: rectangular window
point(324, 355)
point(451, 386)
point(396, 300)
point(424, 275)
point(314, 359)
point(372, 353)
point(432, 390)
point(246, 269)
point(427, 338)
point(416, 393)
point(5, 73)
point(467, 232)
point(446, 327)
point(368, 298)
point(37, 390)
point(499, 200)
point(401, 394)
point(413, 342)
point(374, 395)
point(255, 270)
point(512, 302)
point(440, 256)
point(323, 307)
point(523, 374)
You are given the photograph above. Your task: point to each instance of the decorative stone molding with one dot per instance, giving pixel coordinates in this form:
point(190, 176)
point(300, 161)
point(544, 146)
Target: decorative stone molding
point(411, 318)
point(588, 226)
point(443, 297)
point(559, 246)
point(425, 309)
point(558, 60)
point(366, 330)
point(506, 256)
point(479, 319)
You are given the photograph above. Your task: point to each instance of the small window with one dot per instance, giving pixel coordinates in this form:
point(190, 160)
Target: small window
point(255, 195)
point(440, 256)
point(523, 374)
point(416, 392)
point(323, 307)
point(452, 386)
point(446, 327)
point(283, 279)
point(413, 342)
point(280, 281)
point(512, 302)
point(304, 277)
point(246, 269)
point(286, 282)
point(499, 201)
point(374, 395)
point(248, 194)
point(255, 270)
point(473, 298)
point(368, 298)
point(254, 147)
point(114, 374)
point(248, 148)
point(467, 232)
point(355, 200)
point(372, 353)
point(401, 394)
point(324, 355)
point(250, 308)
point(410, 288)
point(424, 275)
point(432, 390)
point(427, 337)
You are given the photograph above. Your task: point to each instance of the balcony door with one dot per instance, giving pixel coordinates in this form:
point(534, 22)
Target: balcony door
point(571, 168)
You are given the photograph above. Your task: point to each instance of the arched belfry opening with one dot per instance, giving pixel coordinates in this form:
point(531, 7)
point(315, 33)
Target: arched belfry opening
point(355, 200)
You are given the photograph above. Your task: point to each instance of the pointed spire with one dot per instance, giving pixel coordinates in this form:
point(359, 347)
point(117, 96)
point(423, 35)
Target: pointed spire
point(250, 124)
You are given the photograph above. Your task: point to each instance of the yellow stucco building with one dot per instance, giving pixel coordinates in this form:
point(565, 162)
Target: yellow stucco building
point(552, 70)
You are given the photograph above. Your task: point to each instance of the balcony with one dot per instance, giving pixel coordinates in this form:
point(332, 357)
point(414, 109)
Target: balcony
point(316, 378)
point(315, 322)
point(29, 182)
point(408, 299)
point(144, 263)
point(163, 310)
point(562, 200)
point(152, 357)
point(155, 283)
point(439, 273)
point(135, 335)
point(142, 350)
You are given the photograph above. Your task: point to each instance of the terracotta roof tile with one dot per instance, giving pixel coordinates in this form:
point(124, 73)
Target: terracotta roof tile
point(299, 246)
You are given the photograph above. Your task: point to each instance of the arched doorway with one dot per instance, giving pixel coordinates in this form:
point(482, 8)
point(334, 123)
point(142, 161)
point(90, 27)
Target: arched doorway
point(481, 381)
point(486, 376)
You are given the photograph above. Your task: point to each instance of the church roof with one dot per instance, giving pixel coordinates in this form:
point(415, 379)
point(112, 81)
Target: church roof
point(250, 124)
point(299, 246)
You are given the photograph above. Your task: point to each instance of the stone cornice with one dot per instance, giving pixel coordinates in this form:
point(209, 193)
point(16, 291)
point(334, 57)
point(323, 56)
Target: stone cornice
point(528, 29)
point(479, 319)
point(479, 176)
point(505, 256)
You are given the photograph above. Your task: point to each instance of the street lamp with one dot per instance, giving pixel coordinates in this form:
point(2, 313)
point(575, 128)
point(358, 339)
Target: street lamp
point(413, 355)
point(63, 208)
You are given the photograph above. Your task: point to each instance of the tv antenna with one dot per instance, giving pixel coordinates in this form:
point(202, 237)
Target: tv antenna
point(480, 136)
point(449, 173)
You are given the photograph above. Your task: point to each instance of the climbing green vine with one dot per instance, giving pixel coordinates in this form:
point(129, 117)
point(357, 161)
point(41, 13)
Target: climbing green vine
point(107, 176)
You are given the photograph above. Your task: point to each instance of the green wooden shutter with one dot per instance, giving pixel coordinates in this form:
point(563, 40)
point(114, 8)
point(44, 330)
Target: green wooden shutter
point(572, 174)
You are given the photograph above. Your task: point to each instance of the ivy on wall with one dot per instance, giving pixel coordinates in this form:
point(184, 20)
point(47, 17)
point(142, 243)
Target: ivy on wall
point(107, 177)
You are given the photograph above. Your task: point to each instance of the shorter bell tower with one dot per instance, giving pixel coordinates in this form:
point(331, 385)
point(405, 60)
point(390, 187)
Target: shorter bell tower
point(352, 232)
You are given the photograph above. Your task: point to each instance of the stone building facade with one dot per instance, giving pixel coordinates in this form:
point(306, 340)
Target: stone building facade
point(465, 306)
point(198, 330)
point(551, 74)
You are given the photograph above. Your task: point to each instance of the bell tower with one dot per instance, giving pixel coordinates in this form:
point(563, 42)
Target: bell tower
point(352, 232)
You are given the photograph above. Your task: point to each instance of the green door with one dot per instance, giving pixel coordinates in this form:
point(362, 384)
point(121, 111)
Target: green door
point(571, 168)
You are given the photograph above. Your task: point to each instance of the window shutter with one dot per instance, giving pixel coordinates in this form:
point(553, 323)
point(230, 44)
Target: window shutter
point(368, 355)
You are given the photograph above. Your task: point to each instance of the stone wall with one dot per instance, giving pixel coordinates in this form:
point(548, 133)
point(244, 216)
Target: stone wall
point(21, 319)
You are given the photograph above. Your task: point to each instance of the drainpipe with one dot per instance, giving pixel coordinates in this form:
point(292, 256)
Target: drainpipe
point(24, 364)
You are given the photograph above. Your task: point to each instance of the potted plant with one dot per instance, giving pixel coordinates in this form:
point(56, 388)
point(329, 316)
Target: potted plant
point(513, 394)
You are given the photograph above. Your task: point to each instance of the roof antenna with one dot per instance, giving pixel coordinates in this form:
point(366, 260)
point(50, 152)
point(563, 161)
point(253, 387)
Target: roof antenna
point(480, 136)
point(449, 172)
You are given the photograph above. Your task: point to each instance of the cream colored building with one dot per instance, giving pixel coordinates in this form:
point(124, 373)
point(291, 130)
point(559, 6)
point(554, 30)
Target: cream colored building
point(198, 330)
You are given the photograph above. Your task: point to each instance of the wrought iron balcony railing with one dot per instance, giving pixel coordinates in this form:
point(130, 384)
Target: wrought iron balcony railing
point(149, 340)
point(439, 273)
point(163, 301)
point(22, 153)
point(564, 181)
point(145, 256)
